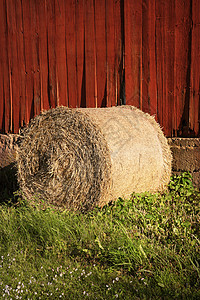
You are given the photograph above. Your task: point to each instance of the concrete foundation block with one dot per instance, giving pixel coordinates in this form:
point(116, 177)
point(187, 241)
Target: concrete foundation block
point(186, 157)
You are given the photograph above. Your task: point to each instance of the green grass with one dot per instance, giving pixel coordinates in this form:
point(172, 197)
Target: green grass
point(146, 247)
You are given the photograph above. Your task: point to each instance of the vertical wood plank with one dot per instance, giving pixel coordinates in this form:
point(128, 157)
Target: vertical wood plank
point(152, 87)
point(110, 54)
point(13, 66)
point(61, 68)
point(7, 71)
point(2, 43)
point(100, 38)
point(169, 24)
point(20, 64)
point(182, 64)
point(1, 89)
point(41, 11)
point(4, 83)
point(90, 60)
point(79, 31)
point(145, 105)
point(28, 60)
point(52, 90)
point(194, 113)
point(160, 57)
point(119, 41)
point(35, 58)
point(71, 52)
point(1, 99)
point(165, 49)
point(133, 52)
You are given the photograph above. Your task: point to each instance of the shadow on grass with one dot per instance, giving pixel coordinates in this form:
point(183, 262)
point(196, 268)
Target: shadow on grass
point(8, 184)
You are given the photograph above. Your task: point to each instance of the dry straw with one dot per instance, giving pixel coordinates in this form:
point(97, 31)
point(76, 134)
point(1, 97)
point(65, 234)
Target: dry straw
point(80, 158)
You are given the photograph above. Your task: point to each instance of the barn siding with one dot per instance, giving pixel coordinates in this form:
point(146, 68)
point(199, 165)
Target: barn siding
point(78, 53)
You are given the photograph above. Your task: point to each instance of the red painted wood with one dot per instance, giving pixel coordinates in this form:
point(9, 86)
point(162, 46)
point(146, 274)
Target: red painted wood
point(146, 28)
point(6, 73)
point(152, 99)
point(165, 24)
point(4, 86)
point(160, 48)
point(60, 48)
point(79, 31)
point(110, 54)
point(13, 70)
point(1, 98)
point(41, 11)
point(119, 40)
point(182, 57)
point(168, 79)
point(27, 29)
point(52, 90)
point(133, 52)
point(35, 58)
point(90, 59)
point(100, 38)
point(1, 79)
point(1, 90)
point(194, 116)
point(71, 52)
point(20, 64)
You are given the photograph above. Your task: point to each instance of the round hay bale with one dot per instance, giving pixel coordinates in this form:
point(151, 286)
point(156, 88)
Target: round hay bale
point(80, 158)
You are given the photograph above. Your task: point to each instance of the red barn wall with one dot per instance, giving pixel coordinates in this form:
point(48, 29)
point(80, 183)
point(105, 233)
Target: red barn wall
point(82, 53)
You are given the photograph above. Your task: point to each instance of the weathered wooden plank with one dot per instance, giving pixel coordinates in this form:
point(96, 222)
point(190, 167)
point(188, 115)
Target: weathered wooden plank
point(145, 105)
point(60, 49)
point(110, 54)
point(133, 52)
point(20, 64)
point(168, 103)
point(6, 74)
point(71, 52)
point(13, 66)
point(90, 59)
point(3, 66)
point(35, 58)
point(165, 42)
point(1, 93)
point(28, 60)
point(152, 87)
point(119, 42)
point(194, 110)
point(52, 90)
point(9, 55)
point(100, 39)
point(79, 31)
point(160, 48)
point(182, 64)
point(41, 10)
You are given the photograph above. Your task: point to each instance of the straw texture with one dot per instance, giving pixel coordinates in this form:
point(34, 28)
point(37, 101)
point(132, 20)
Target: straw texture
point(80, 158)
point(8, 144)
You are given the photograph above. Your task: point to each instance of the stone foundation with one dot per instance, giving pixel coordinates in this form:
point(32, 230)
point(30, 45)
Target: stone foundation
point(186, 157)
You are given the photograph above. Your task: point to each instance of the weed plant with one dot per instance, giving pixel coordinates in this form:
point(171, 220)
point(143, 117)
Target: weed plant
point(145, 247)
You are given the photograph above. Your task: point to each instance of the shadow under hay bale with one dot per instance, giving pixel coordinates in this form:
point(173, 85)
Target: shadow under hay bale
point(8, 183)
point(80, 158)
point(8, 170)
